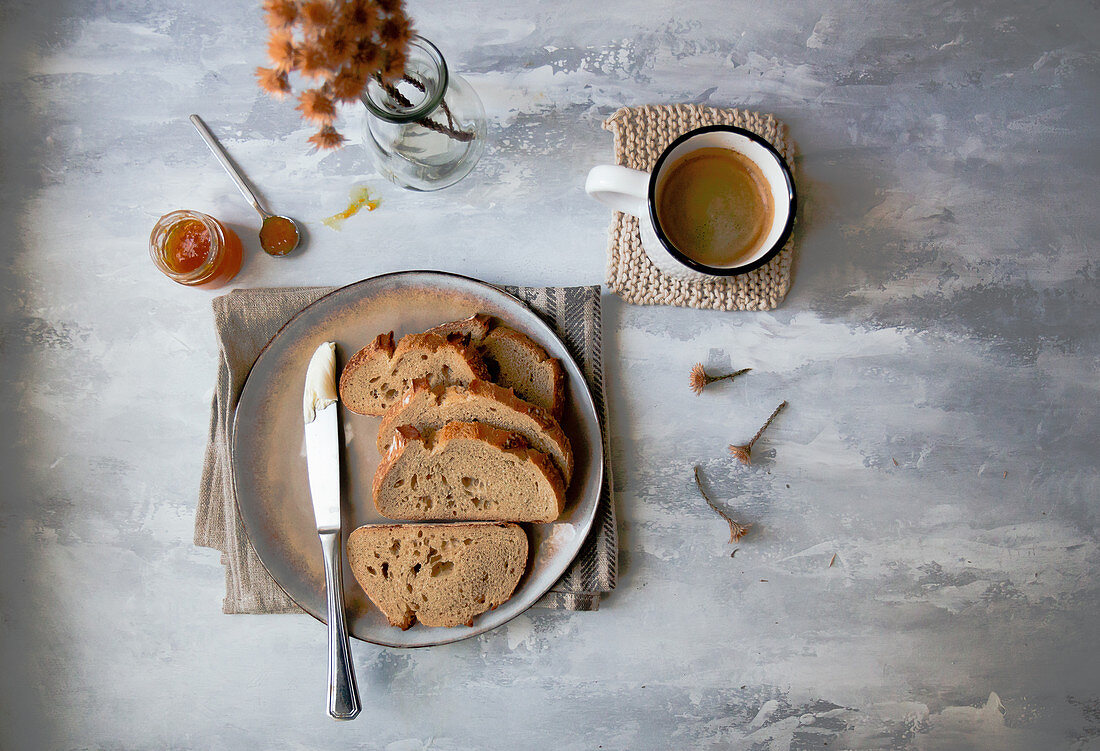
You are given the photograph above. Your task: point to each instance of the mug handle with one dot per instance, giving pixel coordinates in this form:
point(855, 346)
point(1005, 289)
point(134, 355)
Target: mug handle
point(621, 188)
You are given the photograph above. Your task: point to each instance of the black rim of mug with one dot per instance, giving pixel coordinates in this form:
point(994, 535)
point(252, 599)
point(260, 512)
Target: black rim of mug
point(691, 262)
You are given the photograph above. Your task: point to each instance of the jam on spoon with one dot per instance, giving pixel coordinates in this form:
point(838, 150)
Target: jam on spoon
point(281, 233)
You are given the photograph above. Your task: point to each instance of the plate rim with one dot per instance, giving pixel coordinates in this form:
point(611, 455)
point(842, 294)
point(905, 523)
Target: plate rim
point(597, 454)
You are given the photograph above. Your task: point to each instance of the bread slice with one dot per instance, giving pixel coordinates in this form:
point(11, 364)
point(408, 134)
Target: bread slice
point(515, 361)
point(522, 365)
point(467, 471)
point(475, 327)
point(439, 574)
point(377, 375)
point(429, 408)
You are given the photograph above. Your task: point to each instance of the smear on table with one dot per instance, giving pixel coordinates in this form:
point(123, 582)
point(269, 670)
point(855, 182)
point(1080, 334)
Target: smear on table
point(360, 197)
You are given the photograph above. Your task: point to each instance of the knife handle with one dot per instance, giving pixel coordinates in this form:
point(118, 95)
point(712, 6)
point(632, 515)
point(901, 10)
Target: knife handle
point(343, 694)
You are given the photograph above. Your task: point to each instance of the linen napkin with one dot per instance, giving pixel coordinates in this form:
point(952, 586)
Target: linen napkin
point(246, 319)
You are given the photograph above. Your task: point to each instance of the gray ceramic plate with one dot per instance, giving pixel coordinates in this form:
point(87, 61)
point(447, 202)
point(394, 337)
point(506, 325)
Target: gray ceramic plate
point(269, 446)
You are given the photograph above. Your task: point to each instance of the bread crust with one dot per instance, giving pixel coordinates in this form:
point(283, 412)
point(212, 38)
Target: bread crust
point(383, 354)
point(504, 440)
point(441, 397)
point(539, 355)
point(475, 327)
point(382, 345)
point(481, 329)
point(429, 342)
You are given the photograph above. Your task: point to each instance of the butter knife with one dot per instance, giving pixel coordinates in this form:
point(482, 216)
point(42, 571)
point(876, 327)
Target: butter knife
point(323, 464)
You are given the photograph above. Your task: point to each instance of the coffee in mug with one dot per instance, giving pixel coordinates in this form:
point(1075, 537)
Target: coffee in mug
point(715, 206)
point(718, 202)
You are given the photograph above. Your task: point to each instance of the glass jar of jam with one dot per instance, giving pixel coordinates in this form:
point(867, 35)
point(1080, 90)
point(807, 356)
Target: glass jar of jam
point(195, 249)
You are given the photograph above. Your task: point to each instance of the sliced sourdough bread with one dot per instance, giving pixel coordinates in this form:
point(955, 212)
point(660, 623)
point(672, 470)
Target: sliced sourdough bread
point(439, 574)
point(515, 361)
point(377, 375)
point(475, 327)
point(466, 471)
point(429, 408)
point(522, 365)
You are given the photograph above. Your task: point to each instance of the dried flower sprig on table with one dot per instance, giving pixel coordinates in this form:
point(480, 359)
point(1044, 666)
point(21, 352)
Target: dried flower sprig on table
point(743, 452)
point(700, 379)
point(339, 46)
point(737, 529)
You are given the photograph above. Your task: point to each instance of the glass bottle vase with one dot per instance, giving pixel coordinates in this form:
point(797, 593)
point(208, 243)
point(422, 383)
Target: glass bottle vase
point(426, 130)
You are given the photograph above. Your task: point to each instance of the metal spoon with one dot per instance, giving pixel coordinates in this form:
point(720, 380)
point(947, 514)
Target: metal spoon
point(279, 235)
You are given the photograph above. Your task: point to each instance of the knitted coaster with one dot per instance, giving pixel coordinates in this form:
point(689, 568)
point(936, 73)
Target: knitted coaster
point(641, 134)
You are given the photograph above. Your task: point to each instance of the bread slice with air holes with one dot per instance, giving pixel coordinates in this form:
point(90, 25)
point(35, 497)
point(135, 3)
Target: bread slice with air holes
point(466, 471)
point(426, 407)
point(439, 574)
point(515, 360)
point(377, 375)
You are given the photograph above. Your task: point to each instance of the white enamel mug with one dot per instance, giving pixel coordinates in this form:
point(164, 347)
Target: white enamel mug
point(634, 192)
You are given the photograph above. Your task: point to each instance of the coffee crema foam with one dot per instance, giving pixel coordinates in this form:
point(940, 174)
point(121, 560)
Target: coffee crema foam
point(716, 207)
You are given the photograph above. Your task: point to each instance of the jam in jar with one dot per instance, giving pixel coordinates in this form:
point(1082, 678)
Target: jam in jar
point(195, 249)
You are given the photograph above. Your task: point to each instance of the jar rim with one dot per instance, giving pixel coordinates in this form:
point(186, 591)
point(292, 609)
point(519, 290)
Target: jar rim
point(429, 104)
point(206, 268)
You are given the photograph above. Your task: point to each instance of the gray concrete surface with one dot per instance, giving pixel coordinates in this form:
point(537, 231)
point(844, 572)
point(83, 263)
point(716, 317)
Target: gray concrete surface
point(939, 351)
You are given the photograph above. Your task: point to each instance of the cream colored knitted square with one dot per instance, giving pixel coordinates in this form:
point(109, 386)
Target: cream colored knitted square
point(641, 134)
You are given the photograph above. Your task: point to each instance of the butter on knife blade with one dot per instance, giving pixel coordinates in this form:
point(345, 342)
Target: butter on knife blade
point(320, 390)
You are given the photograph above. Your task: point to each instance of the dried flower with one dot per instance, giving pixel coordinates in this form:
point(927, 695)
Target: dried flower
point(737, 529)
point(327, 138)
point(700, 379)
point(340, 45)
point(359, 16)
point(347, 84)
point(742, 453)
point(281, 14)
point(281, 50)
point(395, 65)
point(312, 60)
point(274, 82)
point(367, 58)
point(317, 106)
point(316, 15)
point(395, 31)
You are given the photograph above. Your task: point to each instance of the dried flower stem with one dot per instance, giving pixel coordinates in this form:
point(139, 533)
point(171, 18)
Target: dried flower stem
point(737, 529)
point(743, 452)
point(700, 379)
point(449, 129)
